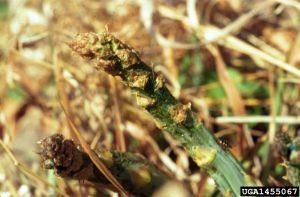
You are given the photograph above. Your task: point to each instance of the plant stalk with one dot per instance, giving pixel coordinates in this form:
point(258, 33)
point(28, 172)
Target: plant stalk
point(137, 175)
point(118, 59)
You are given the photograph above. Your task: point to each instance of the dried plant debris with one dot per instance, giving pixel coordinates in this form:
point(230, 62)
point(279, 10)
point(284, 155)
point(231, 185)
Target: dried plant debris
point(136, 174)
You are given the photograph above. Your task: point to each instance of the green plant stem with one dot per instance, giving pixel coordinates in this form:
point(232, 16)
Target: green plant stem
point(137, 175)
point(290, 150)
point(118, 59)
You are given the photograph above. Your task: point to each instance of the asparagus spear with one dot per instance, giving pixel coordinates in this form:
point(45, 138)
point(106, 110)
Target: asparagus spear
point(118, 59)
point(136, 174)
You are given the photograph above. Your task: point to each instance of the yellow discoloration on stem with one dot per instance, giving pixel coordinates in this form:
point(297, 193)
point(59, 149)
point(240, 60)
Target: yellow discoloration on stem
point(140, 176)
point(203, 156)
point(179, 113)
point(144, 101)
point(138, 79)
point(106, 156)
point(159, 82)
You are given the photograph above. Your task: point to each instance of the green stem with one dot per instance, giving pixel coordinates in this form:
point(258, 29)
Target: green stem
point(290, 150)
point(137, 175)
point(118, 59)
